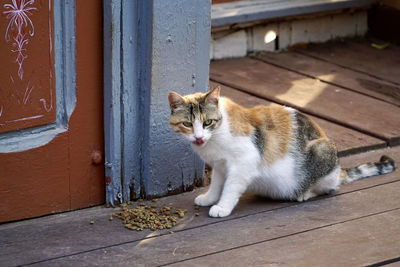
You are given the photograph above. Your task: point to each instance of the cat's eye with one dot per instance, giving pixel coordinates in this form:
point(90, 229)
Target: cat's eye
point(187, 124)
point(207, 123)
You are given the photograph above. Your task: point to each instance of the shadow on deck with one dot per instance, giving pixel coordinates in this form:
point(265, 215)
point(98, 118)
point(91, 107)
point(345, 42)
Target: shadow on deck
point(352, 91)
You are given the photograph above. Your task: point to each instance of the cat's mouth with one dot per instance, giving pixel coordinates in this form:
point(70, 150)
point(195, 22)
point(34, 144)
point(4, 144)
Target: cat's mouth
point(198, 141)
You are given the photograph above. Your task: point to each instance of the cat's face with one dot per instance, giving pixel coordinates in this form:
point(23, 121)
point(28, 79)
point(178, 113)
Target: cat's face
point(195, 116)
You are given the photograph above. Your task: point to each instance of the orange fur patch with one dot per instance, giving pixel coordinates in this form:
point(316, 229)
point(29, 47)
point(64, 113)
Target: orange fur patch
point(239, 118)
point(277, 125)
point(274, 122)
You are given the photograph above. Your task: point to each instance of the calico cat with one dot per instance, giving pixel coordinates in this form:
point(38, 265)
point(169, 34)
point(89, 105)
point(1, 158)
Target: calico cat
point(274, 151)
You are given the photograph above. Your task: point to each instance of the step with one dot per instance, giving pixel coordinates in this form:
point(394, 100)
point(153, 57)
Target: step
point(243, 27)
point(255, 10)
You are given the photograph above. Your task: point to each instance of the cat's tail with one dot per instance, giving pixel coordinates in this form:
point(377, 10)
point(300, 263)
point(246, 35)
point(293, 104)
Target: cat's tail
point(385, 165)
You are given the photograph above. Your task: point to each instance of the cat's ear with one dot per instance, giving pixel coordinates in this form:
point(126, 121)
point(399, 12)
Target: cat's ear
point(175, 100)
point(213, 95)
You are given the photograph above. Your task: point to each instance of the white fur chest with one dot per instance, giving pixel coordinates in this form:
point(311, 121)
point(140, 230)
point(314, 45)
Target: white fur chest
point(238, 154)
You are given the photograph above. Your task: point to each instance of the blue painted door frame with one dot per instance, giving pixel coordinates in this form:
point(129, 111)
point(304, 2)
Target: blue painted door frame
point(150, 48)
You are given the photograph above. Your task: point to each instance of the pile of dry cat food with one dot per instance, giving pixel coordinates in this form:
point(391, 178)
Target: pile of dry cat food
point(149, 217)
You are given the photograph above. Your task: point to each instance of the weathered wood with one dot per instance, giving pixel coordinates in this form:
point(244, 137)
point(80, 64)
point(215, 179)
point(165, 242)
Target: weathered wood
point(352, 243)
point(335, 74)
point(360, 112)
point(285, 225)
point(69, 234)
point(246, 11)
point(145, 59)
point(360, 56)
point(348, 141)
point(112, 103)
point(179, 62)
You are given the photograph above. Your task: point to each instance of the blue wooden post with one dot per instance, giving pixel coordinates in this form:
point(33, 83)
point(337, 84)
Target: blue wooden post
point(180, 62)
point(131, 110)
point(150, 48)
point(112, 103)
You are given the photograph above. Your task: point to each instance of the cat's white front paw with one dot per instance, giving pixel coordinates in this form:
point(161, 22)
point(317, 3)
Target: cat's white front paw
point(218, 211)
point(306, 196)
point(203, 200)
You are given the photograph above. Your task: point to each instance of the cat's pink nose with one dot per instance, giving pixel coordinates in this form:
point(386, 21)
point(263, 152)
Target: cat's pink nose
point(199, 141)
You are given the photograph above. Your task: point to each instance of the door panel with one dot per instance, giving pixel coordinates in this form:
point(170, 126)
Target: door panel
point(35, 182)
point(61, 174)
point(27, 90)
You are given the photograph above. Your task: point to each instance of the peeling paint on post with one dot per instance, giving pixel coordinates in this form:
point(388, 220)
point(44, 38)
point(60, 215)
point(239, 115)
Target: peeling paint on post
point(130, 109)
point(112, 94)
point(163, 46)
point(180, 62)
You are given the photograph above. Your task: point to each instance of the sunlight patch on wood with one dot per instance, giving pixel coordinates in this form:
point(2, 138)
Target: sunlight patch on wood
point(301, 95)
point(148, 239)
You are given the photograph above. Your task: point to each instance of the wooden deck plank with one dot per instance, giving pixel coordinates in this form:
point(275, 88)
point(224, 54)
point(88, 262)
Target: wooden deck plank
point(266, 227)
point(64, 235)
point(360, 112)
point(354, 243)
point(334, 74)
point(348, 141)
point(360, 56)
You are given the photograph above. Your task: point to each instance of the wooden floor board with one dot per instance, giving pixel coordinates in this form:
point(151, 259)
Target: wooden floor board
point(352, 243)
point(361, 56)
point(262, 227)
point(69, 238)
point(357, 111)
point(348, 141)
point(334, 74)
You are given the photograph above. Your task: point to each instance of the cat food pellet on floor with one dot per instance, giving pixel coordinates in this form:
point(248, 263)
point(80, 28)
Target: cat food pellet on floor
point(149, 217)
